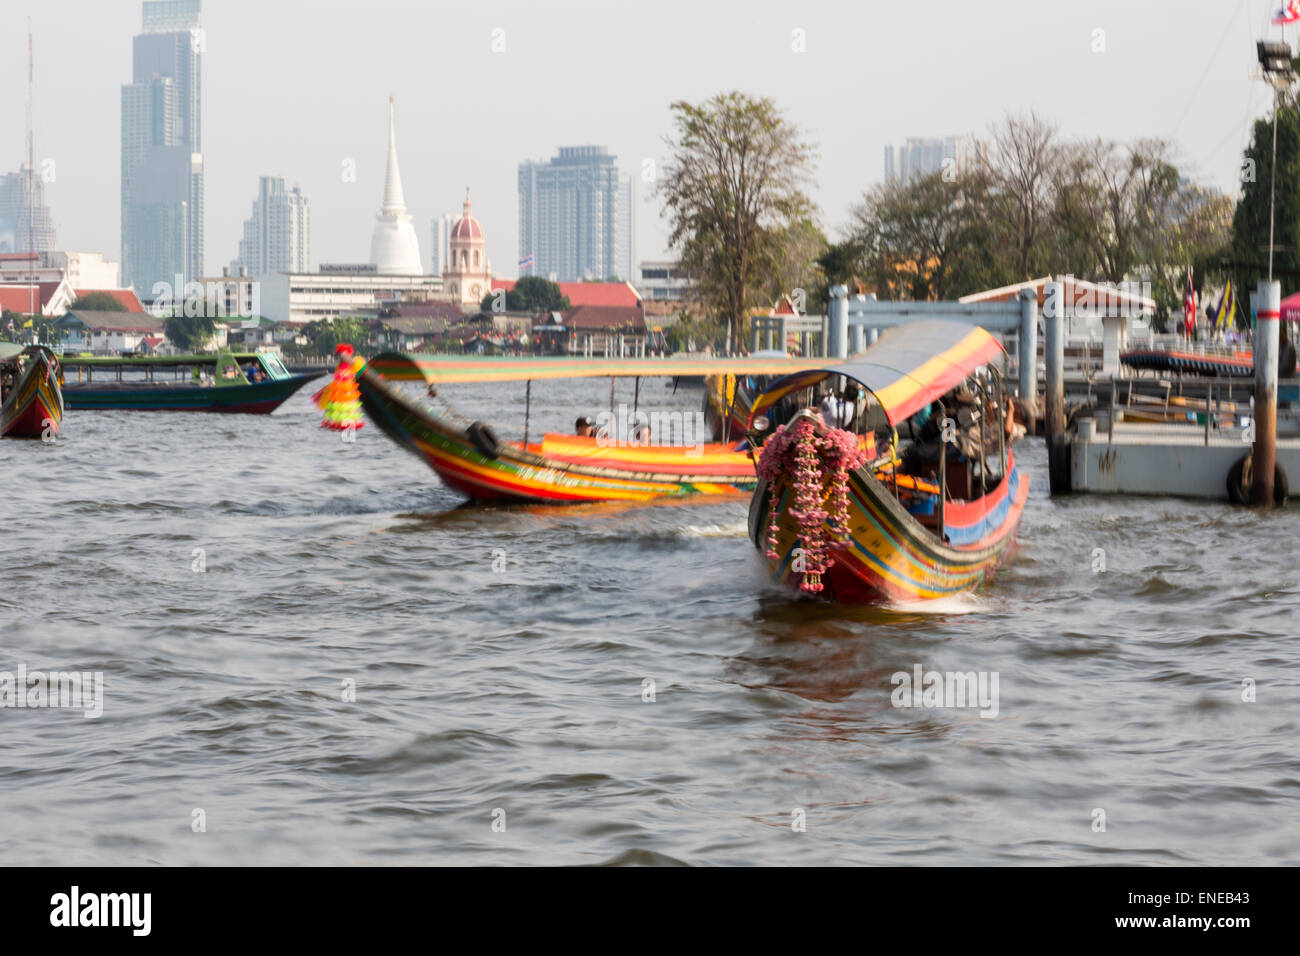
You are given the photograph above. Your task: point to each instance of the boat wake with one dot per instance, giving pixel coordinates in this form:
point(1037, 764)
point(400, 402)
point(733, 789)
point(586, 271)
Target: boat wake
point(966, 603)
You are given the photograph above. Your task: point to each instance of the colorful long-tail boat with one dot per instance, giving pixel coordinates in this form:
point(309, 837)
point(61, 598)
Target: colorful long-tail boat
point(214, 383)
point(468, 456)
point(848, 524)
point(33, 403)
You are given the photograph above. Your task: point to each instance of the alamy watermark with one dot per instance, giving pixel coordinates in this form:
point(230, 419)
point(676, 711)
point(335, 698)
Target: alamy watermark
point(922, 688)
point(624, 428)
point(76, 690)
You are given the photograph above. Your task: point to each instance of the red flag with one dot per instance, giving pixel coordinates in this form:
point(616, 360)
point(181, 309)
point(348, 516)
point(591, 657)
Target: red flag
point(1189, 306)
point(1288, 14)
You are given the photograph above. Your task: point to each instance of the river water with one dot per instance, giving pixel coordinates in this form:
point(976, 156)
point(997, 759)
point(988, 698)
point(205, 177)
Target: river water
point(312, 655)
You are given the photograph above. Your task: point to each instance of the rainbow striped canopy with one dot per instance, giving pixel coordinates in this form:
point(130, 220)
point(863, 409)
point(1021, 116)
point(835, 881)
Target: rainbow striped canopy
point(906, 369)
point(398, 366)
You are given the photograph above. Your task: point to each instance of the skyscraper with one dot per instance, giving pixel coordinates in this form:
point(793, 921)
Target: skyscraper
point(277, 236)
point(23, 212)
point(162, 149)
point(441, 234)
point(921, 157)
point(576, 216)
point(394, 250)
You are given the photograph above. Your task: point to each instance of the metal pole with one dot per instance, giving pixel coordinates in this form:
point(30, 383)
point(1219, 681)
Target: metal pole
point(1272, 191)
point(1266, 349)
point(528, 409)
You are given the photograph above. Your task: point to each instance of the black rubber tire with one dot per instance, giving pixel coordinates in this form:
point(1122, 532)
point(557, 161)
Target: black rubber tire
point(1239, 494)
point(484, 439)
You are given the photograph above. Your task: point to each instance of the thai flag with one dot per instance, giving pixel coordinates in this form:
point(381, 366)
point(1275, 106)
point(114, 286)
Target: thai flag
point(1189, 306)
point(1288, 14)
point(526, 263)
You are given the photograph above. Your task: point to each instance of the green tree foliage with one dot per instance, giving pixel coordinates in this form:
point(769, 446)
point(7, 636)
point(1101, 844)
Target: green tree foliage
point(531, 294)
point(189, 333)
point(1247, 258)
point(323, 335)
point(733, 190)
point(96, 302)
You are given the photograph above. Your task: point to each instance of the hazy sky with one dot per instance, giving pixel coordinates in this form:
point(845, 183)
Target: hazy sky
point(294, 88)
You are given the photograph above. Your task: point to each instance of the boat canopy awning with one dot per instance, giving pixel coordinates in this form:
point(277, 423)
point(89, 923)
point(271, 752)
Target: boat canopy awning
point(906, 369)
point(397, 366)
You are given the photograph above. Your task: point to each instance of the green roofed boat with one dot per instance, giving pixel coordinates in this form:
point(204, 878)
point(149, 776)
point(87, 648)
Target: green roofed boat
point(254, 383)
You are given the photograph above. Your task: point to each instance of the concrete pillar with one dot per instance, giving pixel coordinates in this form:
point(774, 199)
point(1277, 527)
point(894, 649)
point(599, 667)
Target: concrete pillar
point(857, 338)
point(1029, 354)
point(753, 336)
point(1114, 335)
point(1058, 449)
point(838, 345)
point(782, 333)
point(1266, 349)
point(805, 344)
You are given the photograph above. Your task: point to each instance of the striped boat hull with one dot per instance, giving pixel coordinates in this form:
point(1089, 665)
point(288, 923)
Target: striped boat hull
point(36, 403)
point(888, 556)
point(515, 474)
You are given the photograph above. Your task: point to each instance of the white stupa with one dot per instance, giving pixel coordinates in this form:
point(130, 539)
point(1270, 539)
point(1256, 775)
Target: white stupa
point(394, 250)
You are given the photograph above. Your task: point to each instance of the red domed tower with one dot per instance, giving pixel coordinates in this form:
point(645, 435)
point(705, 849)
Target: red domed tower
point(467, 277)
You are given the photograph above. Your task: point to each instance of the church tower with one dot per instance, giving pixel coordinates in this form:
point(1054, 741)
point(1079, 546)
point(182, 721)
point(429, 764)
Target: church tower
point(467, 276)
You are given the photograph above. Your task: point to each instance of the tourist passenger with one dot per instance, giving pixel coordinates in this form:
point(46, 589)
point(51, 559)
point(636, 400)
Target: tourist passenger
point(585, 427)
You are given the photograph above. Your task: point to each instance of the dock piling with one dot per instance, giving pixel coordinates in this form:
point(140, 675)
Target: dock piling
point(1058, 449)
point(1029, 355)
point(1266, 350)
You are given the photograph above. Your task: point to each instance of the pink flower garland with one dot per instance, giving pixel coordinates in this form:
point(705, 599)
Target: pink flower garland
point(805, 458)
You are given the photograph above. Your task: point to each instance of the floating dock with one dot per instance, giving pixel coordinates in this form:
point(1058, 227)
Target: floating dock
point(1142, 458)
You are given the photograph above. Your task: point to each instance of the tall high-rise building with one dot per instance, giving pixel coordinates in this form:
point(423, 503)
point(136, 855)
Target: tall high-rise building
point(162, 149)
point(921, 157)
point(277, 236)
point(25, 221)
point(394, 250)
point(441, 230)
point(576, 216)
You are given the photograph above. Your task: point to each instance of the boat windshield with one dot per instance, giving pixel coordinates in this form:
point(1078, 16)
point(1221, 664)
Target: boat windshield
point(274, 367)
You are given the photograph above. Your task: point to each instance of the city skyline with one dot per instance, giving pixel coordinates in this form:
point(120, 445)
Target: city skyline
point(309, 116)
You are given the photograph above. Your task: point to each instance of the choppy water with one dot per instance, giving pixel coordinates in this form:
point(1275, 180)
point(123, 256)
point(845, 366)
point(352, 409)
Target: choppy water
point(520, 688)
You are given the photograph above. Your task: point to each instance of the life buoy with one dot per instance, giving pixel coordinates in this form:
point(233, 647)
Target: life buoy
point(1239, 488)
point(484, 439)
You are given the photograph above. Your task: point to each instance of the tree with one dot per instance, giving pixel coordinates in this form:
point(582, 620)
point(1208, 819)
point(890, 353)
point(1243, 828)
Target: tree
point(96, 302)
point(732, 189)
point(323, 335)
point(1025, 159)
point(926, 237)
point(531, 294)
point(189, 333)
point(794, 270)
point(1248, 254)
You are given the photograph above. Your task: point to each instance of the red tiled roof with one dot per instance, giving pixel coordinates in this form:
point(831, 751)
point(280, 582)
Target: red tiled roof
point(125, 297)
point(592, 317)
point(588, 293)
point(17, 256)
point(16, 296)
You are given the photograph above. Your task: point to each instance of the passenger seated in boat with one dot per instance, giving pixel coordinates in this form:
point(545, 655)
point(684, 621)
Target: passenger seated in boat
point(585, 427)
point(254, 372)
point(230, 372)
point(641, 434)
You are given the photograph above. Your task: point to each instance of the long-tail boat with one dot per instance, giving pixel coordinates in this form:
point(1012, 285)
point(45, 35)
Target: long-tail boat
point(33, 401)
point(198, 383)
point(469, 457)
point(840, 515)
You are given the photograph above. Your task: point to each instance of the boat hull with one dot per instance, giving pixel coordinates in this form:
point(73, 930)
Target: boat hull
point(515, 474)
point(260, 398)
point(35, 408)
point(888, 556)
